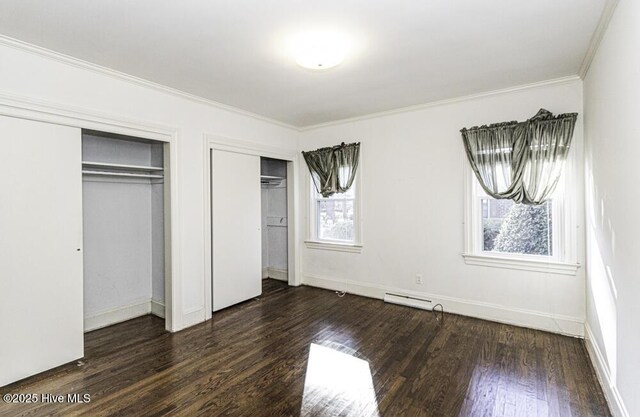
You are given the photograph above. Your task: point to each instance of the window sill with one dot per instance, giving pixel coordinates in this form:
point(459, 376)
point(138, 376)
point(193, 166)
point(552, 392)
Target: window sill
point(339, 247)
point(551, 267)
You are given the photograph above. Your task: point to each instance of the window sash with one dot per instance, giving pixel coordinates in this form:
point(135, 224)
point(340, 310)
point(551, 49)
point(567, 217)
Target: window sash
point(318, 222)
point(557, 241)
point(351, 196)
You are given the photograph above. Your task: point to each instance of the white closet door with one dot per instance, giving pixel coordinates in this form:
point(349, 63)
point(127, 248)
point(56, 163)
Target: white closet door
point(40, 240)
point(236, 222)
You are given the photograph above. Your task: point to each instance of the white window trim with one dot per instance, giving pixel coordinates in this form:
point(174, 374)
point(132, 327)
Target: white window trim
point(564, 259)
point(338, 247)
point(313, 242)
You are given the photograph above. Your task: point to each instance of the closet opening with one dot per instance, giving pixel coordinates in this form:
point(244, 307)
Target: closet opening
point(273, 181)
point(250, 233)
point(126, 227)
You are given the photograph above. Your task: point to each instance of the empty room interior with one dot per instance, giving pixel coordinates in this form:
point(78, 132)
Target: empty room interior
point(336, 208)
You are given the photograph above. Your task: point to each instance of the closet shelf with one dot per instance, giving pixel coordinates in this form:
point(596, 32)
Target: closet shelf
point(108, 165)
point(120, 174)
point(270, 179)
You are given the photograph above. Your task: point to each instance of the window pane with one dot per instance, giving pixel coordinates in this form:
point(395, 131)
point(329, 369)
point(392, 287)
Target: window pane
point(516, 228)
point(335, 220)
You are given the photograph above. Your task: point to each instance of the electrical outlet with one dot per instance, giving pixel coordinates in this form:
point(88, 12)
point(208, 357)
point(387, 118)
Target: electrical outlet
point(419, 279)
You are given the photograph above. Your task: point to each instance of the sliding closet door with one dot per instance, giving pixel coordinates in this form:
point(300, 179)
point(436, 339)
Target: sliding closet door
point(40, 247)
point(236, 222)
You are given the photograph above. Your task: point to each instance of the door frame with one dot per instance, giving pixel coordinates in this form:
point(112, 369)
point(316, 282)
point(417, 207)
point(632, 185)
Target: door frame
point(215, 142)
point(60, 114)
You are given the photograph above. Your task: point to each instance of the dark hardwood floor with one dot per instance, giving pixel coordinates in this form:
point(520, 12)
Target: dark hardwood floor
point(305, 351)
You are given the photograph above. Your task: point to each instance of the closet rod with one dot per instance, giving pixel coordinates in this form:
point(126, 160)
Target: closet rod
point(90, 164)
point(120, 174)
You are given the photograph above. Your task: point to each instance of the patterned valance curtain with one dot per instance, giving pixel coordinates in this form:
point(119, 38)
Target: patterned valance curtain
point(333, 169)
point(520, 161)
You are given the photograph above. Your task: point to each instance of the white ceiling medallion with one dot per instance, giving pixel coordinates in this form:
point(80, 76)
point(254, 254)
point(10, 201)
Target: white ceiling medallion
point(319, 50)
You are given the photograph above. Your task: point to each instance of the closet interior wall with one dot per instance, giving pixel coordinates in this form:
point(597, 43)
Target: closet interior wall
point(123, 228)
point(274, 218)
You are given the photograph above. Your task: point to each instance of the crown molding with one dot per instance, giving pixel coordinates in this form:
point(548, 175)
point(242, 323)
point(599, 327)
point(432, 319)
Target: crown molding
point(69, 60)
point(36, 109)
point(79, 63)
point(408, 109)
point(603, 23)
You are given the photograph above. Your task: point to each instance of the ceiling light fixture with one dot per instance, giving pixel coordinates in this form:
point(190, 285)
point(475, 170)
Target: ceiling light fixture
point(319, 50)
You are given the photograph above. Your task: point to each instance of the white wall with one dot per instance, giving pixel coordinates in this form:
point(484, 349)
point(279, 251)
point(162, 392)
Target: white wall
point(33, 75)
point(412, 213)
point(612, 147)
point(117, 244)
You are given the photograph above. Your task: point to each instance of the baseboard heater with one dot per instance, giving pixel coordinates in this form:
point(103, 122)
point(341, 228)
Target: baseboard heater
point(406, 300)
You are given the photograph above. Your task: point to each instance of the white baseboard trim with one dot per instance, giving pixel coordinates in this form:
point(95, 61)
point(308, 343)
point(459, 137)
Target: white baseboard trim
point(108, 317)
point(117, 315)
point(279, 274)
point(265, 273)
point(555, 323)
point(157, 308)
point(611, 393)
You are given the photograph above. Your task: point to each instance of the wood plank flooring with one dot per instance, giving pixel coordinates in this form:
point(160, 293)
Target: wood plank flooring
point(306, 351)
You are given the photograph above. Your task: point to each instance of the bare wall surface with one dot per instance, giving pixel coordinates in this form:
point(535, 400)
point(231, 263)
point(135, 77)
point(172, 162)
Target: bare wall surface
point(612, 106)
point(117, 244)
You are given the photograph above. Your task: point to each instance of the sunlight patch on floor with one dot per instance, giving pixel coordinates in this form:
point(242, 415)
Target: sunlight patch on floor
point(335, 382)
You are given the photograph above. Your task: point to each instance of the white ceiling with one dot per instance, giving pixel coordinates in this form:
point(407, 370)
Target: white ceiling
point(405, 52)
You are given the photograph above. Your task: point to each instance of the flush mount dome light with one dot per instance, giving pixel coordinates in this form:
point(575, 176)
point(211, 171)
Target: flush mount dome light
point(319, 50)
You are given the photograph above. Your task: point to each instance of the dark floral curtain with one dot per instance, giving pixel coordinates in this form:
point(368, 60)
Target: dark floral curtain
point(333, 169)
point(521, 161)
